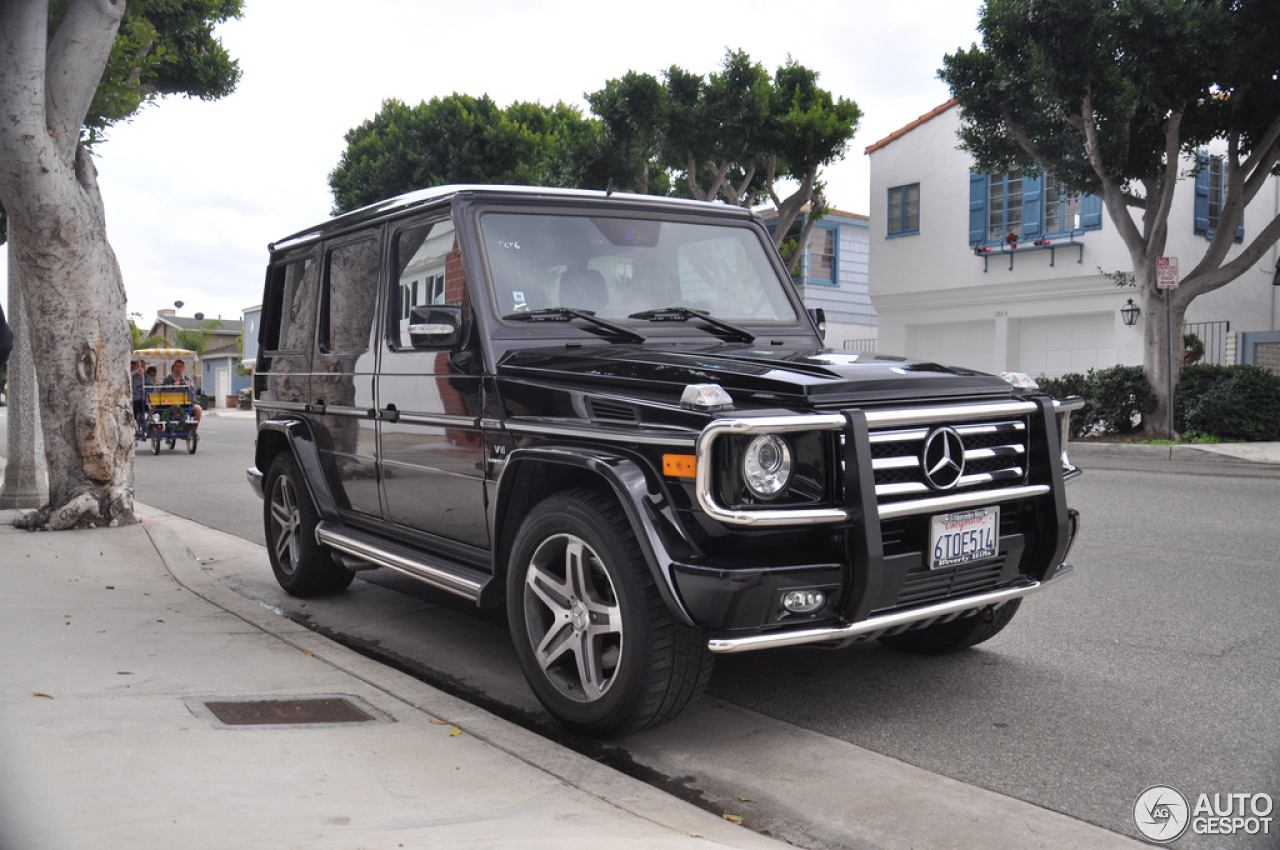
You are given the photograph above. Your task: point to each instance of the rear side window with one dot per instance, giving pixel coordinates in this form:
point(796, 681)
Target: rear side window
point(286, 323)
point(350, 293)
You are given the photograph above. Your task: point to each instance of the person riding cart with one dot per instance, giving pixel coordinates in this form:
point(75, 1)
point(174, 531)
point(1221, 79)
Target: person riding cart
point(170, 409)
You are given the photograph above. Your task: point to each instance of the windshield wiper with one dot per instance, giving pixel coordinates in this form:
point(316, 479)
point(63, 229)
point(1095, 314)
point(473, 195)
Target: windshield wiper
point(564, 314)
point(681, 314)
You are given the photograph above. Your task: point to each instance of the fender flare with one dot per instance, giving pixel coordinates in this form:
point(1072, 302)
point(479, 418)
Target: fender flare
point(297, 436)
point(632, 481)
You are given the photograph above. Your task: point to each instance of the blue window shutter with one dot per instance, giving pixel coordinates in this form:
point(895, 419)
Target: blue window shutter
point(1202, 194)
point(1091, 212)
point(1032, 207)
point(977, 208)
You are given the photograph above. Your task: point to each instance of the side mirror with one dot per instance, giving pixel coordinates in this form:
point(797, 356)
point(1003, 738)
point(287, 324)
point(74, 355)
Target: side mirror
point(819, 317)
point(436, 328)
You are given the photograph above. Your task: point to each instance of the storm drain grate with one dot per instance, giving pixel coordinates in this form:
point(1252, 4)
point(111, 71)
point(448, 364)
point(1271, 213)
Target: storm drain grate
point(298, 711)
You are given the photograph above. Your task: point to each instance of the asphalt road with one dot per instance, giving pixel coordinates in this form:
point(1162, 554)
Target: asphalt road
point(1155, 663)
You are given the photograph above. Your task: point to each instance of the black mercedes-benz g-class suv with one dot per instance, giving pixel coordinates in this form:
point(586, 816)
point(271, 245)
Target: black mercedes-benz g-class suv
point(613, 415)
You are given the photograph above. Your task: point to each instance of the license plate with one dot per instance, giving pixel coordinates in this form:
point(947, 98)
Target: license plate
point(963, 537)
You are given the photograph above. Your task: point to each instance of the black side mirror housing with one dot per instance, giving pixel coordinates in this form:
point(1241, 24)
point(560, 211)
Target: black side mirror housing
point(819, 317)
point(437, 327)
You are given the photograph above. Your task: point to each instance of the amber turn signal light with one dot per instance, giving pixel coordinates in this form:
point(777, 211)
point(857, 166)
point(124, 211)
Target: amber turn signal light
point(679, 466)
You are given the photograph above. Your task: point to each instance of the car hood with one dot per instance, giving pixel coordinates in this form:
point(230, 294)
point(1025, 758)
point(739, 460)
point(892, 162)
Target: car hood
point(771, 377)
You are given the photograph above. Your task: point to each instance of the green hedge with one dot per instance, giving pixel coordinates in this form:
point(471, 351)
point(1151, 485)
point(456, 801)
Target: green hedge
point(1222, 402)
point(1115, 399)
point(1228, 402)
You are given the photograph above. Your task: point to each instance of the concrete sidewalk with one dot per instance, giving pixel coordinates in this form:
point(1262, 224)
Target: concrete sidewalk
point(116, 640)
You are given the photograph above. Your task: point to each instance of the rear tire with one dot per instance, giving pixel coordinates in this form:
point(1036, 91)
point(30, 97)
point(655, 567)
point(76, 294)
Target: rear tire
point(155, 440)
point(302, 566)
point(192, 440)
point(963, 633)
point(593, 635)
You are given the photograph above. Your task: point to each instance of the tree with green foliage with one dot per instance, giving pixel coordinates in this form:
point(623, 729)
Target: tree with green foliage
point(69, 70)
point(196, 339)
point(1114, 98)
point(463, 139)
point(138, 338)
point(736, 134)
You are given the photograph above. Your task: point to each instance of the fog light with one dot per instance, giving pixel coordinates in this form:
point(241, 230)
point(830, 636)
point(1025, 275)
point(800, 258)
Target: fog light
point(803, 601)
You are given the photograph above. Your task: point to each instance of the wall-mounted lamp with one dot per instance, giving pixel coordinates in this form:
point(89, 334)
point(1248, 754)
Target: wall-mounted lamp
point(1129, 313)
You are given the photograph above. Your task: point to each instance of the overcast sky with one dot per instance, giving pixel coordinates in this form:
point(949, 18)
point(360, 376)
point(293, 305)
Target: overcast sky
point(194, 191)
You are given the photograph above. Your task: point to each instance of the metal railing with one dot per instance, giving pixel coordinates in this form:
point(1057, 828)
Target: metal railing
point(1214, 336)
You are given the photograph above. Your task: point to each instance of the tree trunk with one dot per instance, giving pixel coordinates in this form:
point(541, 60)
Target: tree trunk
point(26, 479)
point(1161, 329)
point(75, 298)
point(71, 283)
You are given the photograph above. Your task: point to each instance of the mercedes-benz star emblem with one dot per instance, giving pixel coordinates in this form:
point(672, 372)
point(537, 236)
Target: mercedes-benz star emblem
point(943, 458)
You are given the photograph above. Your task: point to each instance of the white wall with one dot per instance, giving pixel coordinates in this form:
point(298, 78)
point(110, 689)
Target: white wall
point(937, 300)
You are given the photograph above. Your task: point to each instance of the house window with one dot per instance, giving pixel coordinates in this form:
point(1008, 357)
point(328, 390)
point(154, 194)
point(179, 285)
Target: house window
point(1004, 205)
point(822, 255)
point(1211, 194)
point(904, 210)
point(1013, 206)
point(1062, 211)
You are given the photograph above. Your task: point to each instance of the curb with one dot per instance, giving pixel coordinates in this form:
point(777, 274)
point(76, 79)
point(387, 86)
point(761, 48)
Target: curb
point(1242, 453)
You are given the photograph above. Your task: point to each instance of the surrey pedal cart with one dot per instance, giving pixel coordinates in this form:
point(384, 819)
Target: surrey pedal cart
point(168, 414)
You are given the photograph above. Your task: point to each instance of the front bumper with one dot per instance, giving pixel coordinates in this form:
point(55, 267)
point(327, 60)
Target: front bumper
point(255, 477)
point(876, 577)
point(849, 632)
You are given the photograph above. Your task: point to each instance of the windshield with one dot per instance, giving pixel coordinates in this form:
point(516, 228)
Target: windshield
point(618, 267)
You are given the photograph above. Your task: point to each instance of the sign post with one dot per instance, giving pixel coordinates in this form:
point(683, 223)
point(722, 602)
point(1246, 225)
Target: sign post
point(1167, 279)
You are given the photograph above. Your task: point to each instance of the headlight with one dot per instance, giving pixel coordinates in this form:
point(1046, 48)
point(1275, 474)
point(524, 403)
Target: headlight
point(766, 465)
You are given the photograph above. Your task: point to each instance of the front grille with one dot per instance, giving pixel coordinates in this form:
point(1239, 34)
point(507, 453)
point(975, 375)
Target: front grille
point(995, 456)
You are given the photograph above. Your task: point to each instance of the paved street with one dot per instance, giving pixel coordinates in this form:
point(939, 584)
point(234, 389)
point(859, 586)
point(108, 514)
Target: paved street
point(1153, 664)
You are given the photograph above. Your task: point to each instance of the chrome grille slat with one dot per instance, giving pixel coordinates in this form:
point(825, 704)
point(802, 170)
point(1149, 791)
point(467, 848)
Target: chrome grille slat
point(994, 428)
point(906, 489)
point(895, 463)
point(994, 452)
point(898, 436)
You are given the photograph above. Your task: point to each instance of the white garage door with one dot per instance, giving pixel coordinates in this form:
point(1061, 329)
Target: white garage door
point(1062, 344)
point(969, 344)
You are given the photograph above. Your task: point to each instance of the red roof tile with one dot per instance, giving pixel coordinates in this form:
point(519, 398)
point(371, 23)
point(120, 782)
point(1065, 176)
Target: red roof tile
point(914, 124)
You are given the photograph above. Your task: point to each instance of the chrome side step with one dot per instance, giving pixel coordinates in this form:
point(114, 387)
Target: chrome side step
point(463, 581)
point(884, 622)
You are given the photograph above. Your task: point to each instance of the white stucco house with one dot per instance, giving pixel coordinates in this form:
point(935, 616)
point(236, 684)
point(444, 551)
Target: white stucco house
point(1001, 272)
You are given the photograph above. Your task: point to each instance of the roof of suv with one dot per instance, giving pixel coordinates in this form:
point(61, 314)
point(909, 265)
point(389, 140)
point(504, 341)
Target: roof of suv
point(423, 197)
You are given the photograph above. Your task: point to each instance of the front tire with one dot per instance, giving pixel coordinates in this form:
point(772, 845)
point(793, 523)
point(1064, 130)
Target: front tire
point(155, 439)
point(592, 633)
point(941, 638)
point(302, 566)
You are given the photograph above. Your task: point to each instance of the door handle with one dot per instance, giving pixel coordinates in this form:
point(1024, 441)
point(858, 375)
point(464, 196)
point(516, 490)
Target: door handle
point(390, 414)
